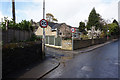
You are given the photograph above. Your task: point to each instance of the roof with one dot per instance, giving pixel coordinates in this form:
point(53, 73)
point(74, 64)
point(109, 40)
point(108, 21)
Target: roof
point(54, 25)
point(51, 24)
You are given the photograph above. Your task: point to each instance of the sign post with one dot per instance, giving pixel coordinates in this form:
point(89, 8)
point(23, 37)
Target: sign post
point(43, 23)
point(73, 31)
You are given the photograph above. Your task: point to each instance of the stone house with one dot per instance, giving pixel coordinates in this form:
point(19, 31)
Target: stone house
point(48, 30)
point(54, 33)
point(54, 29)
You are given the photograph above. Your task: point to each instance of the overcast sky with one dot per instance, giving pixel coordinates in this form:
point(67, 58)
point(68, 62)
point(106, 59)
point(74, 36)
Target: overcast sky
point(66, 11)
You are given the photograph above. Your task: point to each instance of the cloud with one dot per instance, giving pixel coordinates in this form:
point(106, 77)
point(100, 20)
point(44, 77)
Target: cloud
point(1, 15)
point(74, 11)
point(68, 11)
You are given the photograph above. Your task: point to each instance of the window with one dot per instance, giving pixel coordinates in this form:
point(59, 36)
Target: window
point(60, 33)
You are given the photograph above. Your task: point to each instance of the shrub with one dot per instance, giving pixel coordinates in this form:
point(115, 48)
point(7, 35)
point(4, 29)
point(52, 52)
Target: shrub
point(23, 25)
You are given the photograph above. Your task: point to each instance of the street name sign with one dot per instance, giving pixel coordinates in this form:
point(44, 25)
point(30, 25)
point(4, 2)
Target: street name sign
point(43, 23)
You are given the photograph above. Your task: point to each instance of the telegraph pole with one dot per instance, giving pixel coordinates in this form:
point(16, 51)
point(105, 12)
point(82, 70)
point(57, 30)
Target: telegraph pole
point(43, 40)
point(13, 9)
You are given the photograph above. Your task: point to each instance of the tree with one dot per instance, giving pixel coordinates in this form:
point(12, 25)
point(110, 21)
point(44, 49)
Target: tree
point(94, 19)
point(82, 27)
point(113, 29)
point(50, 18)
point(115, 21)
point(54, 19)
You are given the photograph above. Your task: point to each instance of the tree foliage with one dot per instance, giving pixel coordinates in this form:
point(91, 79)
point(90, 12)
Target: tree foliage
point(23, 25)
point(50, 18)
point(82, 27)
point(94, 19)
point(115, 21)
point(113, 29)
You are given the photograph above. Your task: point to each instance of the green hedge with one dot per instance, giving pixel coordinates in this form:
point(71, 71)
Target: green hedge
point(19, 55)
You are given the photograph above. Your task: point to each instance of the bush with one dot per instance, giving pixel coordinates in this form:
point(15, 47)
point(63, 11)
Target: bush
point(67, 38)
point(23, 25)
point(35, 38)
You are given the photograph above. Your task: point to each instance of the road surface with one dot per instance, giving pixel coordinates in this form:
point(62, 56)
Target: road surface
point(99, 63)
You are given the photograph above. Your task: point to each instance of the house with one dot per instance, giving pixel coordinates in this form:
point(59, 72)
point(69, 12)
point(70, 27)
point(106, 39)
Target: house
point(48, 31)
point(54, 33)
point(55, 29)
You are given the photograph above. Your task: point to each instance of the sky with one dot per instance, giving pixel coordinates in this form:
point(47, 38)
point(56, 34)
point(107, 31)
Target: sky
point(70, 12)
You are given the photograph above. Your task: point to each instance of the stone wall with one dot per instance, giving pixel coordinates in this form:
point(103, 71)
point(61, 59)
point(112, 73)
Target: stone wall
point(81, 44)
point(67, 44)
point(78, 44)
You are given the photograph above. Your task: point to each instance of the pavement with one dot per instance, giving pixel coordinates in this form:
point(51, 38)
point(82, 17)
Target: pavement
point(40, 69)
point(35, 71)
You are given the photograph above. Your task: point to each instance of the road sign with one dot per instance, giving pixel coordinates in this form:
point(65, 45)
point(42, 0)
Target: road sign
point(43, 23)
point(73, 30)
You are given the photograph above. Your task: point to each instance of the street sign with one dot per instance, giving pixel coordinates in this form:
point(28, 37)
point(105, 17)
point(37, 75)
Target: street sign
point(43, 23)
point(73, 30)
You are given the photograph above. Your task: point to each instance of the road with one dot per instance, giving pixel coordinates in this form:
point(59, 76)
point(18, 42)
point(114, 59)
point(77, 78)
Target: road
point(99, 63)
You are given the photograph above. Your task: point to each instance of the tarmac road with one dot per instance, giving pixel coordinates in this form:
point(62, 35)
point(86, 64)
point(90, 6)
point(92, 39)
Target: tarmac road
point(99, 63)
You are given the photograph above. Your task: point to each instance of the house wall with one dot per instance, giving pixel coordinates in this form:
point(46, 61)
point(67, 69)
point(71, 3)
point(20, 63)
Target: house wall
point(65, 30)
point(48, 31)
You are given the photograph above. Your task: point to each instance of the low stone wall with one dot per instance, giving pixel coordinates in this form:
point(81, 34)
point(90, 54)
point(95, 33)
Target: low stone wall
point(99, 41)
point(67, 44)
point(17, 56)
point(81, 44)
point(78, 44)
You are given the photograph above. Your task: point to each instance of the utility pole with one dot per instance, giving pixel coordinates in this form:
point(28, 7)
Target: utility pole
point(13, 9)
point(43, 40)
